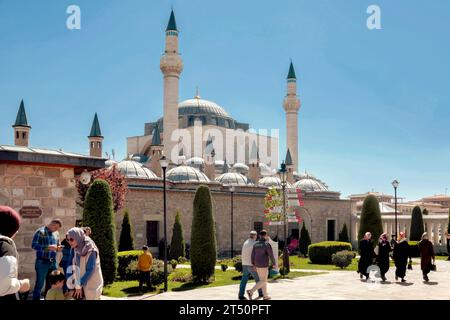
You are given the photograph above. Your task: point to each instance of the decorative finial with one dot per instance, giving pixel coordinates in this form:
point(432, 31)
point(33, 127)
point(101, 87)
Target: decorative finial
point(197, 94)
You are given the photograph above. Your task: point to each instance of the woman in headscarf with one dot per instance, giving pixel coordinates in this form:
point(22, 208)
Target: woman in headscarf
point(401, 255)
point(426, 256)
point(366, 254)
point(85, 274)
point(10, 285)
point(384, 248)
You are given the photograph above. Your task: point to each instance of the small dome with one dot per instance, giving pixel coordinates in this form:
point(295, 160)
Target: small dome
point(233, 178)
point(275, 182)
point(134, 169)
point(265, 169)
point(240, 168)
point(195, 162)
point(310, 185)
point(185, 173)
point(201, 106)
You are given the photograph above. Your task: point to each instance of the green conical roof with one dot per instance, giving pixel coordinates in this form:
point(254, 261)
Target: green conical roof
point(291, 74)
point(95, 129)
point(21, 119)
point(288, 160)
point(156, 139)
point(172, 25)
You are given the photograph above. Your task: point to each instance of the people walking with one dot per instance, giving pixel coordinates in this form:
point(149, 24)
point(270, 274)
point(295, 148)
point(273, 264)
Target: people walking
point(261, 254)
point(145, 263)
point(401, 254)
point(366, 254)
point(383, 250)
point(247, 267)
point(85, 274)
point(10, 285)
point(427, 258)
point(45, 242)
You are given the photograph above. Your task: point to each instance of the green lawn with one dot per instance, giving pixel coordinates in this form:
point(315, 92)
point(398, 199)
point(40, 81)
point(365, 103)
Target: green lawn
point(305, 263)
point(122, 289)
point(441, 257)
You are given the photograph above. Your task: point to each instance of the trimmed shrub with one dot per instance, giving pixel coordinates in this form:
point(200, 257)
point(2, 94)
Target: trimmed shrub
point(124, 259)
point(322, 252)
point(342, 259)
point(177, 246)
point(343, 235)
point(414, 248)
point(157, 272)
point(425, 212)
point(370, 219)
point(237, 263)
point(126, 241)
point(98, 214)
point(203, 237)
point(224, 267)
point(305, 240)
point(181, 275)
point(417, 228)
point(173, 263)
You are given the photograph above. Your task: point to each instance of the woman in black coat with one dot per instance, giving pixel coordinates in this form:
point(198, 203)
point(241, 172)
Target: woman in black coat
point(401, 255)
point(366, 254)
point(383, 248)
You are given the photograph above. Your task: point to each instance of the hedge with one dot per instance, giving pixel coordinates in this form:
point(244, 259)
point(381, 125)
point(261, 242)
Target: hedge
point(125, 257)
point(414, 248)
point(322, 252)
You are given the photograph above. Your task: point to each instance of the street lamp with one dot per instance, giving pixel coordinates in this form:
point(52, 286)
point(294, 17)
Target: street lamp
point(395, 184)
point(283, 188)
point(164, 162)
point(231, 225)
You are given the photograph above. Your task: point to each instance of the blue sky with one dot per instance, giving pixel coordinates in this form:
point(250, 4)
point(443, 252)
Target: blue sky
point(374, 103)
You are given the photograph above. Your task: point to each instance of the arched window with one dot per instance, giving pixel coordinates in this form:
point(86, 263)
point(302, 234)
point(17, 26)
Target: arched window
point(24, 135)
point(17, 134)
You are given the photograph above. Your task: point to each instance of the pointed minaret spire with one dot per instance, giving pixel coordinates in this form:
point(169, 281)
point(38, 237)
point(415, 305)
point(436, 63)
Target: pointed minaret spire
point(288, 160)
point(291, 73)
point(95, 139)
point(171, 66)
point(291, 106)
point(172, 25)
point(225, 166)
point(156, 139)
point(21, 127)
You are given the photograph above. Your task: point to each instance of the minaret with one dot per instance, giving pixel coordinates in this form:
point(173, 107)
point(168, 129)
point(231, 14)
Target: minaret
point(156, 149)
point(289, 167)
point(95, 139)
point(291, 106)
point(21, 128)
point(171, 66)
point(254, 171)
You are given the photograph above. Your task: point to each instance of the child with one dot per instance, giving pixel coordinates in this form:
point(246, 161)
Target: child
point(144, 267)
point(56, 279)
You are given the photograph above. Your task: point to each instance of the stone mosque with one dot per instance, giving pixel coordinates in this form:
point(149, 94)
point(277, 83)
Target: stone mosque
point(40, 183)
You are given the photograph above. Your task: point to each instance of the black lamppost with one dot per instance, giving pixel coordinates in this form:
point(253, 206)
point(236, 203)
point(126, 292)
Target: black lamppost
point(395, 184)
point(283, 189)
point(231, 225)
point(164, 162)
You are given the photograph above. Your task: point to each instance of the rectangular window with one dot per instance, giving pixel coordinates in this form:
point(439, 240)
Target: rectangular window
point(152, 233)
point(331, 230)
point(257, 226)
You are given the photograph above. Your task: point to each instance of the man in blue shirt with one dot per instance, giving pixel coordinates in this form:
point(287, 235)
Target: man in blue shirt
point(46, 244)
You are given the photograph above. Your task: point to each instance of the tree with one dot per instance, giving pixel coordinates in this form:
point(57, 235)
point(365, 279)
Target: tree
point(203, 237)
point(425, 211)
point(305, 240)
point(417, 228)
point(116, 181)
point(126, 241)
point(177, 246)
point(370, 220)
point(343, 235)
point(98, 214)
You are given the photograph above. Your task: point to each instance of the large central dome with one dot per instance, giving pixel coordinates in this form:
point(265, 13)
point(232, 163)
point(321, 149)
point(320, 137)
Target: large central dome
point(197, 106)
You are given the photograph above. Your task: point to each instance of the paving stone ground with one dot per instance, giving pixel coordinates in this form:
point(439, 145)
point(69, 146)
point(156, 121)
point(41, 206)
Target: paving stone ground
point(336, 285)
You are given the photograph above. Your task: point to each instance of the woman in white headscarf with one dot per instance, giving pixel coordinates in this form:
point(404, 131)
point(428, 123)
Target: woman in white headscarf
point(85, 274)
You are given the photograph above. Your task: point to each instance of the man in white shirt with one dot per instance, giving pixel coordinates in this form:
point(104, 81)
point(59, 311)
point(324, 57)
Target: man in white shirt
point(247, 267)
